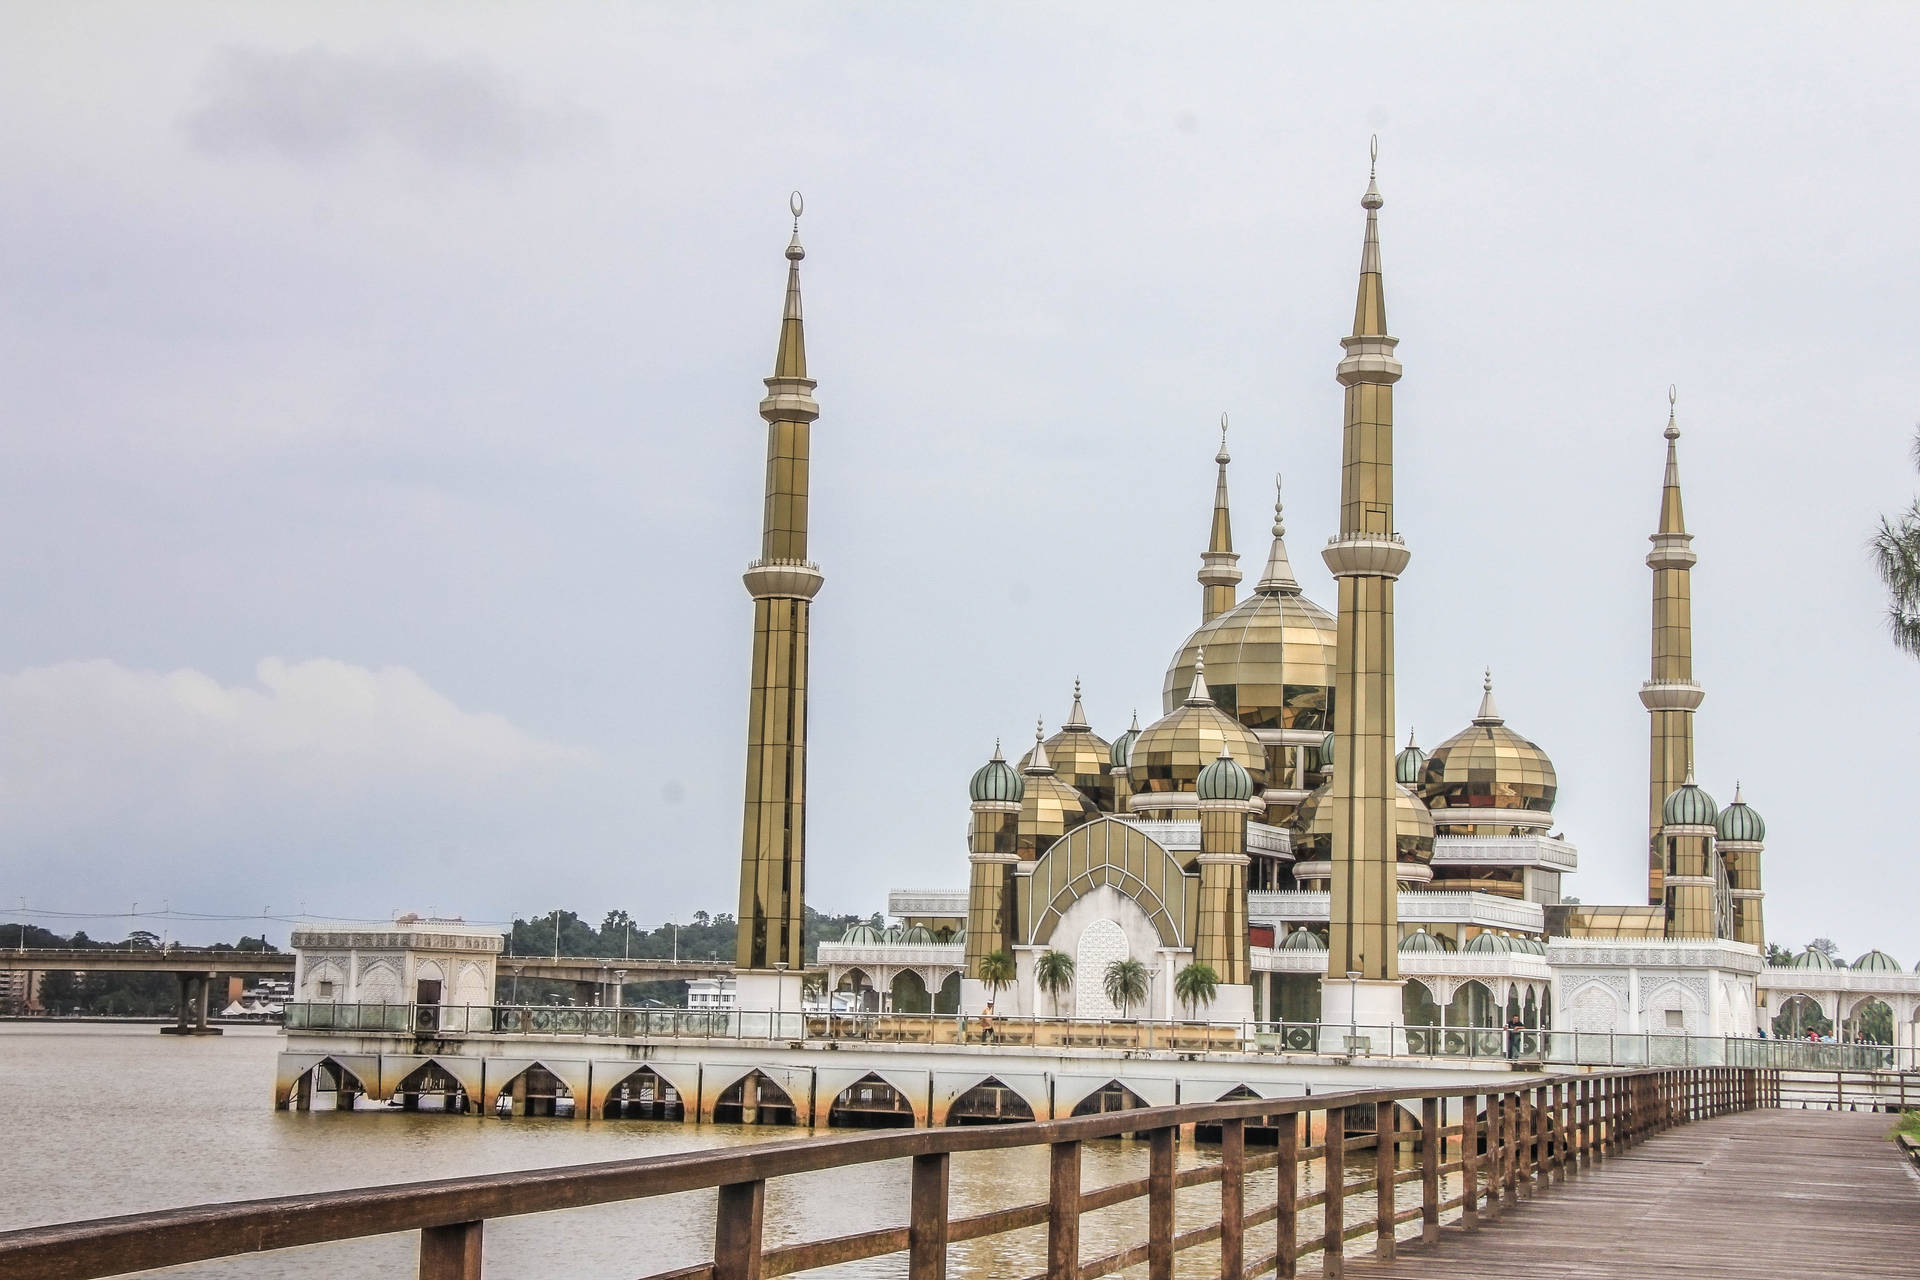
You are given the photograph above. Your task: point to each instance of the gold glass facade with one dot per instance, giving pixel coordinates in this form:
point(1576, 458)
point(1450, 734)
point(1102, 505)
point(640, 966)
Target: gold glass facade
point(1670, 695)
point(1221, 940)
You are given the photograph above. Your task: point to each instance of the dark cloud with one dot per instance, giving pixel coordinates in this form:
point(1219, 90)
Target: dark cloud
point(316, 104)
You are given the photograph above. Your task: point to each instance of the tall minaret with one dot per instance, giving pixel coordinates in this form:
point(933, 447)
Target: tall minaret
point(1219, 566)
point(782, 582)
point(1365, 558)
point(1671, 695)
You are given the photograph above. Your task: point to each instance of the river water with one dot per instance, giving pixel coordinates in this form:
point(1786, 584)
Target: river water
point(102, 1120)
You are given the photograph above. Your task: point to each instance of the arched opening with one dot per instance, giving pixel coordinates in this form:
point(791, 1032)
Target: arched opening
point(870, 1103)
point(1513, 1006)
point(535, 1092)
point(644, 1095)
point(1296, 997)
point(430, 1087)
point(1799, 1018)
point(1471, 1017)
point(1871, 1022)
point(989, 1102)
point(947, 999)
point(327, 1086)
point(1530, 1012)
point(1211, 1132)
point(857, 991)
point(1111, 1096)
point(1546, 1008)
point(1417, 1004)
point(909, 993)
point(753, 1099)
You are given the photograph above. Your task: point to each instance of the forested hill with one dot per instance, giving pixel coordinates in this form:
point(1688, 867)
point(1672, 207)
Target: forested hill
point(699, 937)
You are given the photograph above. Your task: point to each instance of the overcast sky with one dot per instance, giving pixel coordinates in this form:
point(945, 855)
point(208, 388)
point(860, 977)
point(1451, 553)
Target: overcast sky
point(378, 395)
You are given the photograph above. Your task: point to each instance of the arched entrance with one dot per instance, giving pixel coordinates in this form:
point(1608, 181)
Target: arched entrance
point(1102, 942)
point(1111, 1096)
point(947, 999)
point(870, 1103)
point(535, 1092)
point(431, 1083)
point(1799, 1016)
point(1869, 1022)
point(989, 1102)
point(326, 1086)
point(909, 993)
point(753, 1099)
point(644, 1095)
point(857, 990)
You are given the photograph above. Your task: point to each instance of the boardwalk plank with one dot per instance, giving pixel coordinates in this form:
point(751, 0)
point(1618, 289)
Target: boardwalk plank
point(1805, 1193)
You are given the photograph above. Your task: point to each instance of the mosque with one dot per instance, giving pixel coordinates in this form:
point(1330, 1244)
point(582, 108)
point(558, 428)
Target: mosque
point(1270, 828)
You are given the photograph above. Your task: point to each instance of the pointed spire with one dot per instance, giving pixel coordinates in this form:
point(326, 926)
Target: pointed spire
point(996, 752)
point(1370, 310)
point(1219, 567)
point(1199, 695)
point(1278, 580)
point(1135, 726)
point(1037, 763)
point(1489, 714)
point(1220, 537)
point(1410, 741)
point(1736, 791)
point(1077, 718)
point(791, 359)
point(1672, 518)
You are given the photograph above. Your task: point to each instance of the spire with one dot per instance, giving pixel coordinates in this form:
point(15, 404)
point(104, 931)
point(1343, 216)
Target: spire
point(1198, 695)
point(1278, 580)
point(1370, 310)
point(1410, 741)
point(1489, 714)
point(996, 752)
point(791, 360)
point(1672, 518)
point(1037, 763)
point(1219, 567)
point(1736, 792)
point(1077, 718)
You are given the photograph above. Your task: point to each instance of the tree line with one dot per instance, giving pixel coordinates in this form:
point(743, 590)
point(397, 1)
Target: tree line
point(113, 995)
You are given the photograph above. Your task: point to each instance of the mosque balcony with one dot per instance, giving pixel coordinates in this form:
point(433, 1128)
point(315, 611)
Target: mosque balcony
point(783, 579)
point(1787, 980)
point(1489, 965)
point(1417, 907)
point(1654, 953)
point(1671, 695)
point(902, 903)
point(1363, 555)
point(1540, 851)
point(1175, 835)
point(937, 955)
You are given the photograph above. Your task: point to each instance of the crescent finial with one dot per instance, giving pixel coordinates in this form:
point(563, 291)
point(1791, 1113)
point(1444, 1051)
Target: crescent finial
point(797, 203)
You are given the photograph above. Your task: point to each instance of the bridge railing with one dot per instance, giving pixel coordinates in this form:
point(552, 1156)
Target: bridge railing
point(1497, 1146)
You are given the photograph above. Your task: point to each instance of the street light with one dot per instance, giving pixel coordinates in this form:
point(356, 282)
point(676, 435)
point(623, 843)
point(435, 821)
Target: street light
point(779, 994)
point(1353, 1008)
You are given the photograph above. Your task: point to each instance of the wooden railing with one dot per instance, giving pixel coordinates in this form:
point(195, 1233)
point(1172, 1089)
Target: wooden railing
point(1507, 1143)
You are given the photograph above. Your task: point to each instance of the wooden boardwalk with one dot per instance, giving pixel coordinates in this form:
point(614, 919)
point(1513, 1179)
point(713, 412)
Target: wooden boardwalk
point(1753, 1195)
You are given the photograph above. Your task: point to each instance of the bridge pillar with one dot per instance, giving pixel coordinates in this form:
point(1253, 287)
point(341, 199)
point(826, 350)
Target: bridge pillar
point(191, 1018)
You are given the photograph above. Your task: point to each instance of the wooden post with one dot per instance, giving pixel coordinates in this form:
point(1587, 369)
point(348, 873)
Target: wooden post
point(1233, 1199)
point(927, 1221)
point(1063, 1212)
point(451, 1252)
point(1470, 1163)
point(1384, 1114)
point(1286, 1195)
point(1515, 1103)
point(1333, 1259)
point(1542, 1136)
point(1432, 1121)
point(1160, 1145)
point(736, 1231)
point(1558, 1135)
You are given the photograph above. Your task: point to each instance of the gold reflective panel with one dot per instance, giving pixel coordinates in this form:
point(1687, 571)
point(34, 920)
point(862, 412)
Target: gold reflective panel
point(1270, 663)
point(1488, 767)
point(1313, 827)
point(1050, 808)
point(1170, 753)
point(1083, 760)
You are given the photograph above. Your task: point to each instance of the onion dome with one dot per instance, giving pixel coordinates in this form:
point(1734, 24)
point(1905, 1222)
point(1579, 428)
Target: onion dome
point(1506, 781)
point(1688, 805)
point(1408, 765)
point(1326, 753)
point(1270, 658)
point(1421, 942)
point(1739, 822)
point(862, 935)
point(1170, 753)
point(1811, 959)
point(1878, 961)
point(1224, 779)
point(1491, 944)
point(996, 780)
point(959, 939)
point(1049, 807)
point(1081, 758)
point(1313, 831)
point(1303, 939)
point(1122, 754)
point(917, 935)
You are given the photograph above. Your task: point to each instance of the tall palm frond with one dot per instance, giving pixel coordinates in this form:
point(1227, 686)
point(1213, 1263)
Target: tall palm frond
point(1896, 556)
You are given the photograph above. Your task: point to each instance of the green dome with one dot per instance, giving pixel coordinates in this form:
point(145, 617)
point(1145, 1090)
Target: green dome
point(1326, 751)
point(1303, 939)
point(862, 935)
point(1811, 959)
point(1422, 943)
point(1224, 779)
point(917, 935)
point(1690, 806)
point(1494, 943)
point(1122, 753)
point(1738, 821)
point(997, 780)
point(1879, 961)
point(1408, 764)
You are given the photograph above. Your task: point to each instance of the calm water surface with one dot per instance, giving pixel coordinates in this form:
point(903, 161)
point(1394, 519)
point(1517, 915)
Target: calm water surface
point(105, 1120)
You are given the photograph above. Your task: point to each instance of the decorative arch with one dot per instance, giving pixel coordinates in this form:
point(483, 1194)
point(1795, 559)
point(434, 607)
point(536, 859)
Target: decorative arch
point(1473, 1005)
point(643, 1094)
point(1111, 1096)
point(473, 987)
point(379, 983)
point(1594, 1008)
point(754, 1099)
point(909, 993)
point(1101, 943)
point(989, 1102)
point(1108, 852)
point(870, 1102)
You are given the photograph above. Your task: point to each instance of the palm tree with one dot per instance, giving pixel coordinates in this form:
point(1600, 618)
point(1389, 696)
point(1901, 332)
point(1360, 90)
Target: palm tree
point(998, 970)
point(1053, 971)
point(1195, 985)
point(1126, 983)
point(1896, 554)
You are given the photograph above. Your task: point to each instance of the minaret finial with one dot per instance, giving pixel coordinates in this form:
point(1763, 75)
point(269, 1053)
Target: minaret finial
point(1673, 398)
point(1278, 580)
point(1198, 695)
point(1219, 567)
point(1489, 714)
point(797, 203)
point(1410, 741)
point(1077, 718)
point(996, 750)
point(1372, 200)
point(1037, 763)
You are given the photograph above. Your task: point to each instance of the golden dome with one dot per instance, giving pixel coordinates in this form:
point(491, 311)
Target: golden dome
point(1313, 828)
point(1170, 753)
point(1050, 808)
point(1080, 757)
point(1488, 767)
point(1270, 658)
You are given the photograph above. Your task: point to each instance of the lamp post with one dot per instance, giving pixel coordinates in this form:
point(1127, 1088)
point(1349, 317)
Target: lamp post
point(1353, 1007)
point(779, 995)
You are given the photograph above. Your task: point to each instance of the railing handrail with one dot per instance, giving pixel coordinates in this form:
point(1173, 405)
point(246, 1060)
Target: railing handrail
point(171, 1237)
